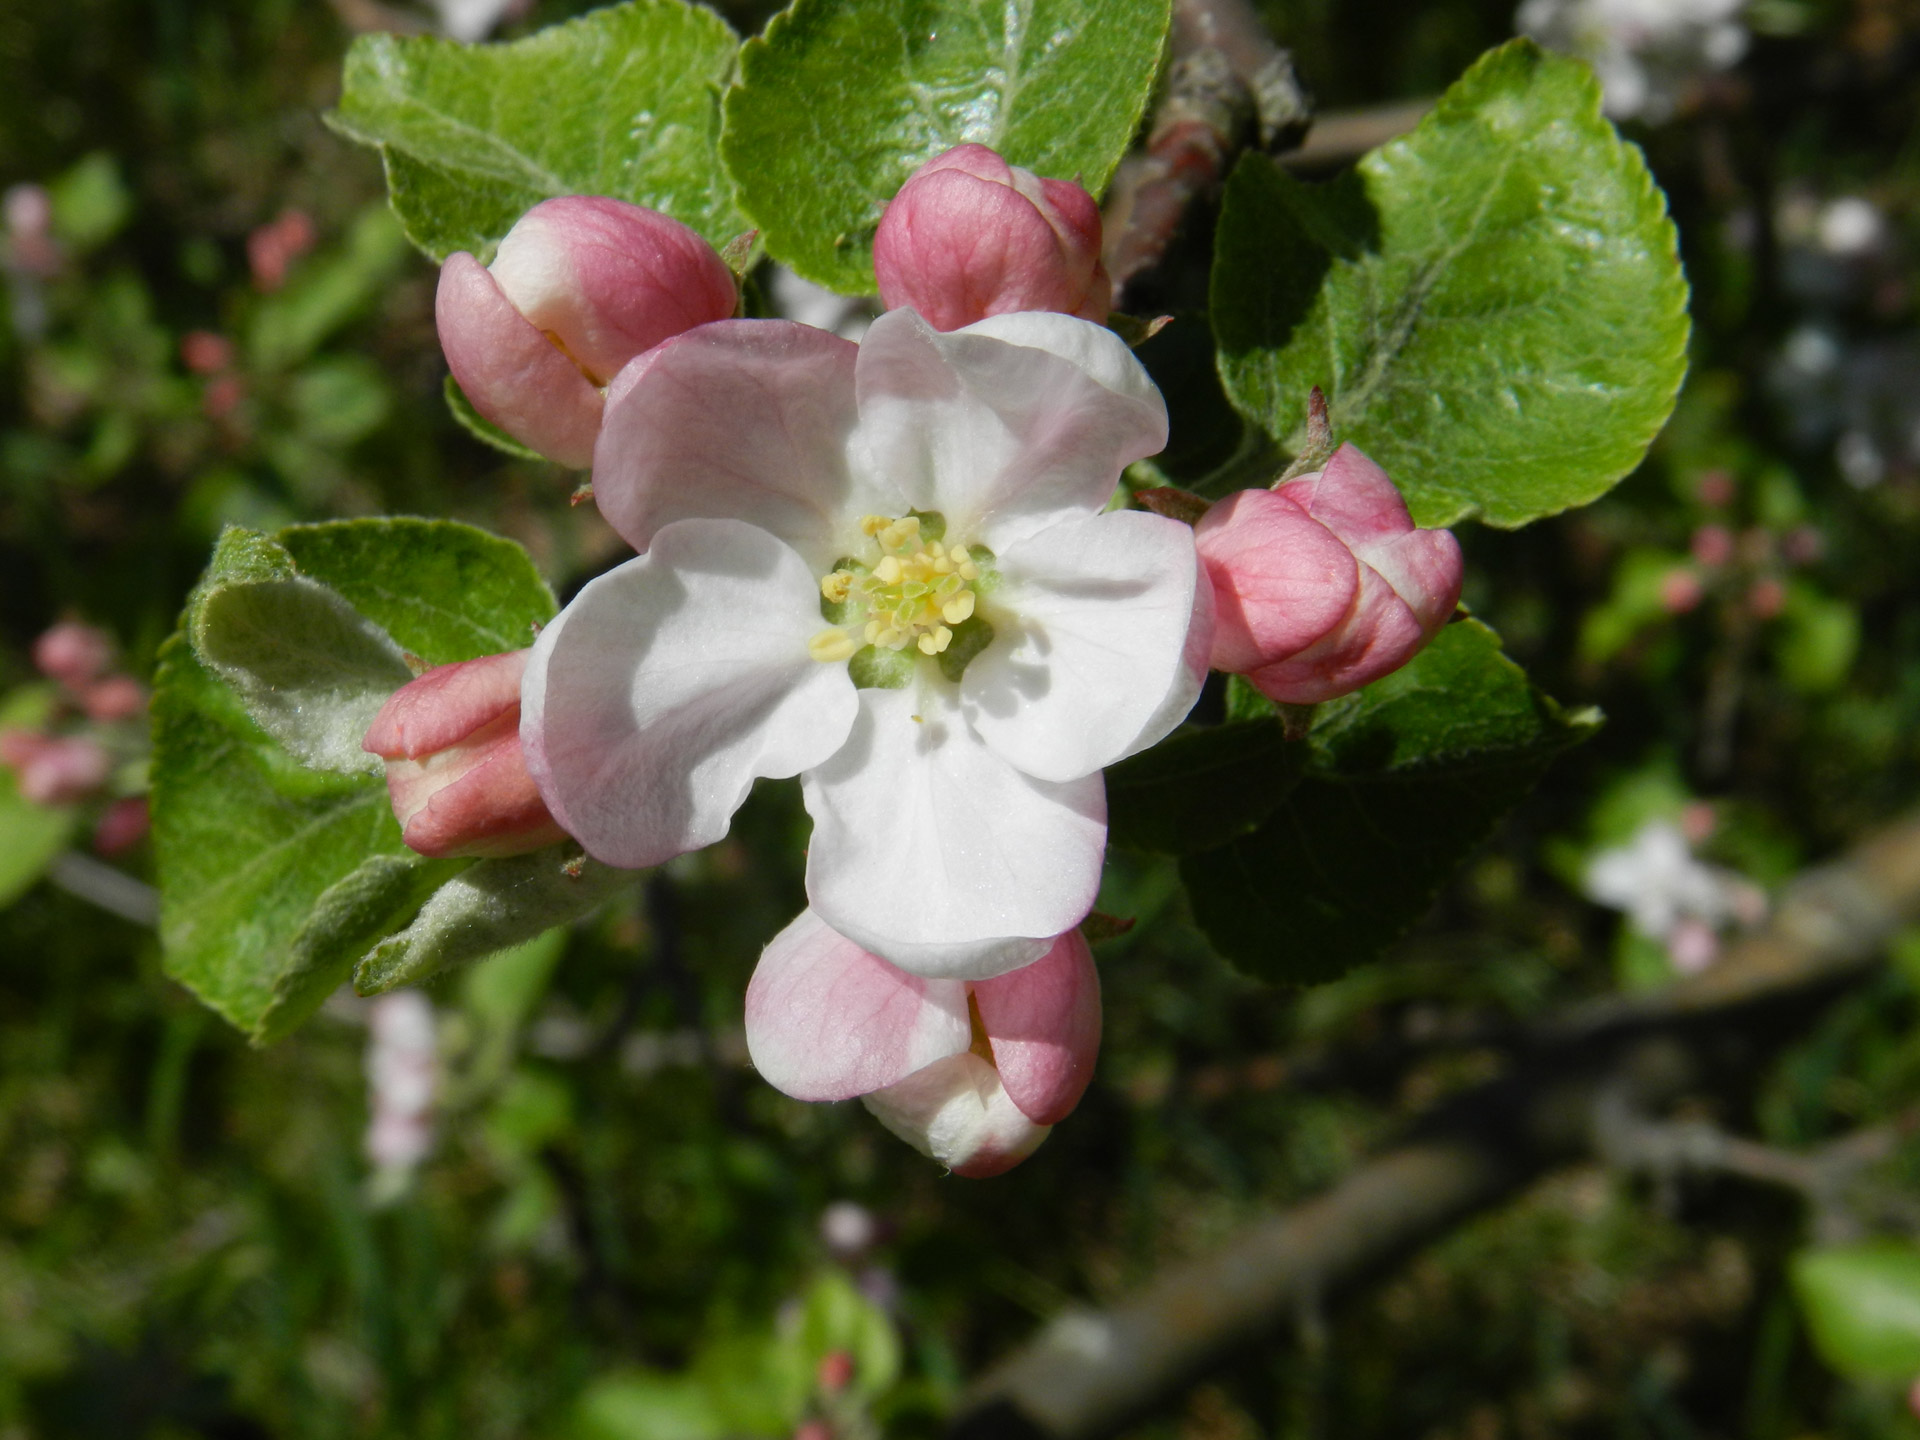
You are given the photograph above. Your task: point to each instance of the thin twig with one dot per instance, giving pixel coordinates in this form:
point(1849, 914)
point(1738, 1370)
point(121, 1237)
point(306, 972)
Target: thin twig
point(114, 891)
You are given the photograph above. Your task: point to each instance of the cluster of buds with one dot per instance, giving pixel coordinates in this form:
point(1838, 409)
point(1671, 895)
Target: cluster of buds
point(211, 355)
point(95, 724)
point(1747, 565)
point(403, 1080)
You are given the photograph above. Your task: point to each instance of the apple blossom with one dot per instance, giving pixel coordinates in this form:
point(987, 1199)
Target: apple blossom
point(1324, 584)
point(74, 654)
point(581, 284)
point(55, 769)
point(884, 568)
point(970, 236)
point(973, 1073)
point(455, 770)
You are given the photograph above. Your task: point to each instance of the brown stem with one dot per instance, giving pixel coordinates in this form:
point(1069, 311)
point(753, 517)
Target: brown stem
point(1092, 1371)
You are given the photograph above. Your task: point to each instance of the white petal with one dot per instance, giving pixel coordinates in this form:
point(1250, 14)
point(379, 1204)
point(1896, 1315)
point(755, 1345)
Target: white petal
point(828, 1021)
point(957, 1111)
point(654, 700)
point(934, 853)
point(741, 419)
point(1090, 659)
point(1004, 427)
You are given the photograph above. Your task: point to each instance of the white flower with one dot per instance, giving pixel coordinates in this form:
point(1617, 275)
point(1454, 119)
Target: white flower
point(1669, 895)
point(921, 514)
point(403, 1075)
point(1644, 51)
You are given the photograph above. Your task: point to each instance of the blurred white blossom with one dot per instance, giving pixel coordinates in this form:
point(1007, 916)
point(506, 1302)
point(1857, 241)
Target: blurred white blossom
point(806, 303)
point(1672, 897)
point(470, 20)
point(403, 1078)
point(1644, 51)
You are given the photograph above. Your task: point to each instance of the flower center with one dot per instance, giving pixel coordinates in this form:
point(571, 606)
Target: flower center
point(909, 590)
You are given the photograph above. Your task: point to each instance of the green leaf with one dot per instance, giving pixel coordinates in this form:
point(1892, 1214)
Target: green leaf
point(1493, 304)
point(1200, 788)
point(841, 100)
point(311, 671)
point(1404, 779)
point(488, 907)
point(623, 101)
point(481, 428)
point(254, 850)
point(30, 836)
point(326, 293)
point(350, 916)
point(1862, 1306)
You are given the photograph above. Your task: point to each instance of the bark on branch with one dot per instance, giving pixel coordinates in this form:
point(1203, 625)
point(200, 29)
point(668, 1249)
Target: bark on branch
point(1091, 1371)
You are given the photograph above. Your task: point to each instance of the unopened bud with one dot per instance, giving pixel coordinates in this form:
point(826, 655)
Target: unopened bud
point(836, 1372)
point(72, 653)
point(204, 352)
point(55, 770)
point(123, 826)
point(117, 697)
point(455, 771)
point(1712, 545)
point(1767, 598)
point(970, 236)
point(1324, 585)
point(580, 286)
point(1680, 591)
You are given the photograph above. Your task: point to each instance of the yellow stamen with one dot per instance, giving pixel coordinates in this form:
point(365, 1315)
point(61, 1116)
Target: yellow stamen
point(831, 645)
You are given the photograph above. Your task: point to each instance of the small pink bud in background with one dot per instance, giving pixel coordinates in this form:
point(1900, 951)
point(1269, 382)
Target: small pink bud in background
point(1913, 1399)
point(580, 286)
point(455, 771)
point(1692, 945)
point(1767, 598)
point(273, 247)
point(123, 826)
point(1712, 545)
point(72, 653)
point(1697, 821)
point(118, 697)
point(836, 1372)
point(28, 210)
point(55, 770)
point(1324, 585)
point(1715, 488)
point(223, 396)
point(204, 352)
point(1803, 545)
point(970, 236)
point(973, 1073)
point(1680, 591)
point(813, 1430)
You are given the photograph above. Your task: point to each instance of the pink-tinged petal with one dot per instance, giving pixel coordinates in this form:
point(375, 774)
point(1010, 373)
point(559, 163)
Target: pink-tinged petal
point(934, 853)
point(671, 683)
point(1091, 620)
point(1005, 427)
point(609, 280)
point(1376, 637)
point(957, 1112)
point(63, 770)
point(445, 705)
point(744, 419)
point(828, 1021)
point(511, 372)
point(1358, 501)
point(1043, 1022)
point(1281, 579)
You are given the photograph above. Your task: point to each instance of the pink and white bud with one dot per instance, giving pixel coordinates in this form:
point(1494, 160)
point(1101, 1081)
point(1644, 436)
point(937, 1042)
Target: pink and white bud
point(581, 285)
point(970, 236)
point(455, 772)
point(1324, 585)
point(72, 653)
point(973, 1073)
point(55, 770)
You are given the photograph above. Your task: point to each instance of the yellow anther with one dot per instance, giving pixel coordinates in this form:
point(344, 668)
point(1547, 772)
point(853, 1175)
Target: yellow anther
point(958, 608)
point(969, 571)
point(831, 645)
point(887, 572)
point(835, 586)
point(873, 524)
point(958, 553)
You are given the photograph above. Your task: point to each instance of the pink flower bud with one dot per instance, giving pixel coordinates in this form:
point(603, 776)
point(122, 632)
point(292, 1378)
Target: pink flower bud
point(117, 697)
point(1715, 488)
point(1712, 545)
point(223, 396)
point(55, 771)
point(123, 826)
point(1680, 591)
point(971, 1072)
point(1324, 585)
point(1767, 598)
point(836, 1372)
point(273, 247)
point(970, 236)
point(455, 771)
point(72, 653)
point(581, 285)
point(204, 352)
